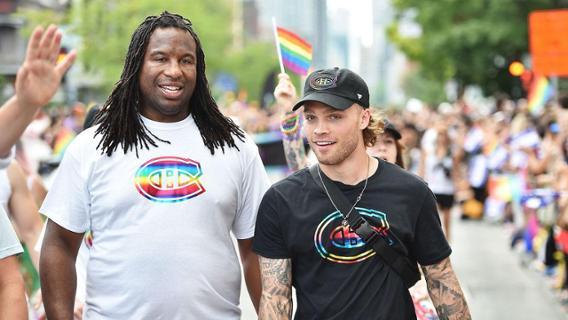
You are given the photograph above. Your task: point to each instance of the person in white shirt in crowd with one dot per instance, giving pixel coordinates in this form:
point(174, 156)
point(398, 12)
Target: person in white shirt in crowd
point(37, 81)
point(12, 290)
point(437, 169)
point(17, 200)
point(161, 180)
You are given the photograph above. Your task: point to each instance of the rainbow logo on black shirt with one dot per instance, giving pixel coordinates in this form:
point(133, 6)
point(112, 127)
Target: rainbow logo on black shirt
point(169, 179)
point(337, 243)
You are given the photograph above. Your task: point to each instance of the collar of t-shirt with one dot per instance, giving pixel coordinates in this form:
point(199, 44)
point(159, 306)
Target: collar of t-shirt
point(151, 124)
point(375, 176)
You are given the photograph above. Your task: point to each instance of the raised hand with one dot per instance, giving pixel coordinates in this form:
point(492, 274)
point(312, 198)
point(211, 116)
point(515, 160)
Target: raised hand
point(40, 75)
point(290, 126)
point(285, 92)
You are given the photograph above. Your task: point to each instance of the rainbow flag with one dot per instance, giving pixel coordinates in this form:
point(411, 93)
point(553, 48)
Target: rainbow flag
point(506, 187)
point(296, 52)
point(62, 141)
point(539, 94)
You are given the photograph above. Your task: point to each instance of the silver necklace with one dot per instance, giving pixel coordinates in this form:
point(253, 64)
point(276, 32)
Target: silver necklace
point(345, 223)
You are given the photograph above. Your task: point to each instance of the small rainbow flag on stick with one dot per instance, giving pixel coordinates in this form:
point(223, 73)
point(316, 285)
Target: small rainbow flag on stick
point(293, 52)
point(540, 93)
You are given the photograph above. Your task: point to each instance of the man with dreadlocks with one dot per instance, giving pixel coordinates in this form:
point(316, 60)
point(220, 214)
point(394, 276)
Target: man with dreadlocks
point(161, 180)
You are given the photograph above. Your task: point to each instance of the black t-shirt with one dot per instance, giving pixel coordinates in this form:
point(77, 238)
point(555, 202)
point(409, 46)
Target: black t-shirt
point(336, 275)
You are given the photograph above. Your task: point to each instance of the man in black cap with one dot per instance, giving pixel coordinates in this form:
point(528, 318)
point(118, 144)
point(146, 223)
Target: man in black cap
point(305, 237)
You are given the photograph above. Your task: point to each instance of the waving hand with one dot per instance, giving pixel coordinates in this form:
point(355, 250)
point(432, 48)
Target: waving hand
point(40, 75)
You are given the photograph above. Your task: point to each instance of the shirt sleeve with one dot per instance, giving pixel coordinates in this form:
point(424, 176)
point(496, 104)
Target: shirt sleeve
point(255, 182)
point(430, 245)
point(9, 244)
point(5, 162)
point(67, 202)
point(269, 241)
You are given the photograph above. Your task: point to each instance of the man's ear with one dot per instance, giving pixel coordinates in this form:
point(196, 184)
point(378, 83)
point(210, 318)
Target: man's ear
point(365, 118)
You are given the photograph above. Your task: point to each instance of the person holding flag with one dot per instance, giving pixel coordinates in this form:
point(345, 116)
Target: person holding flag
point(296, 54)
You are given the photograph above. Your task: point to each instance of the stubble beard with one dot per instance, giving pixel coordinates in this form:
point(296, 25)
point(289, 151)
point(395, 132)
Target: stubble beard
point(340, 155)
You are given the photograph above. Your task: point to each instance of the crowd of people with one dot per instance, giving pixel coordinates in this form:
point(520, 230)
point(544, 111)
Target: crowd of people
point(508, 165)
point(151, 186)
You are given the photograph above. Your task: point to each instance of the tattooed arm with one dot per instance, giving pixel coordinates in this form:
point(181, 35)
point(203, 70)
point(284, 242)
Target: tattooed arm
point(276, 298)
point(293, 142)
point(290, 124)
point(445, 291)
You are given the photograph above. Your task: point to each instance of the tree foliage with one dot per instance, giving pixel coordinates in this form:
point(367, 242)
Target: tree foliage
point(470, 41)
point(106, 26)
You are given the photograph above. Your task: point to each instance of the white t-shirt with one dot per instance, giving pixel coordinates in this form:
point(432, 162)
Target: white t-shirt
point(161, 222)
point(438, 181)
point(9, 243)
point(5, 189)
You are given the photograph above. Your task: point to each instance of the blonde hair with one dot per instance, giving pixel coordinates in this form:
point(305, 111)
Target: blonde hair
point(376, 126)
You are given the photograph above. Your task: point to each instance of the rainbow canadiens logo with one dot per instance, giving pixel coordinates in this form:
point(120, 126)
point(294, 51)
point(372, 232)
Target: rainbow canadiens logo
point(88, 238)
point(340, 244)
point(169, 179)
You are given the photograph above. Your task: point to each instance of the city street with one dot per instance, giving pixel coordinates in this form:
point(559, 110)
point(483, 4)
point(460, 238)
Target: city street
point(495, 283)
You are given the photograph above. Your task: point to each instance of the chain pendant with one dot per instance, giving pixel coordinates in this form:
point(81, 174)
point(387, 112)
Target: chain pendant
point(344, 222)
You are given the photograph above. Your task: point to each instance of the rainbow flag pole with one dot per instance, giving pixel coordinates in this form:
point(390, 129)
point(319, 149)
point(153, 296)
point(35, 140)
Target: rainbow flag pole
point(278, 45)
point(294, 53)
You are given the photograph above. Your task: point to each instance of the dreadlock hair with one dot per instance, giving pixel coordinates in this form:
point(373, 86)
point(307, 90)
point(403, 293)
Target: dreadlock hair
point(120, 121)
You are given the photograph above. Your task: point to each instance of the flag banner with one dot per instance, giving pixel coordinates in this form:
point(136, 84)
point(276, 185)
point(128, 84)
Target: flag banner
point(540, 93)
point(62, 141)
point(296, 52)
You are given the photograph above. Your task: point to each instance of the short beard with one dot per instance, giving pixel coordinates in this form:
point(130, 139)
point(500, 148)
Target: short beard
point(334, 159)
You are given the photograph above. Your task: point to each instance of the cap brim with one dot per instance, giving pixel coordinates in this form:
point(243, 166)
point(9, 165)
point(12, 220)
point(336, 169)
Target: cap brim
point(333, 101)
point(394, 133)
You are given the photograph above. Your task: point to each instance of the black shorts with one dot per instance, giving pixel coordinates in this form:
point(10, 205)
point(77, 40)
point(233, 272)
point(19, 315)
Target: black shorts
point(445, 201)
point(480, 194)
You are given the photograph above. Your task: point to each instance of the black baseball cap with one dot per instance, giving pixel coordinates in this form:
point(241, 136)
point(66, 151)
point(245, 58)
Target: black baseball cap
point(389, 126)
point(338, 88)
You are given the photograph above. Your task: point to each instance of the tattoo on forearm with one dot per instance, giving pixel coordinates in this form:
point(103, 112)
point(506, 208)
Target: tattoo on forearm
point(290, 126)
point(276, 299)
point(295, 153)
point(445, 291)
